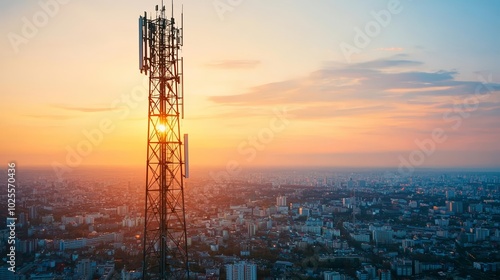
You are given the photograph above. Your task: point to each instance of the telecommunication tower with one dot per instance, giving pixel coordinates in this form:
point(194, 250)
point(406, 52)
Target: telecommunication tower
point(165, 253)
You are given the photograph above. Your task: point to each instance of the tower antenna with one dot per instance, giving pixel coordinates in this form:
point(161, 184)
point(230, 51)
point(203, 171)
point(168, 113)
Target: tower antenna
point(165, 253)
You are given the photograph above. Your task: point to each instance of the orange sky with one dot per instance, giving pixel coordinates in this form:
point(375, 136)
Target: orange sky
point(267, 84)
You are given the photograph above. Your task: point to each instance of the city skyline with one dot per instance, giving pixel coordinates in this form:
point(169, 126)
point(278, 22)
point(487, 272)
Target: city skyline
point(308, 224)
point(383, 84)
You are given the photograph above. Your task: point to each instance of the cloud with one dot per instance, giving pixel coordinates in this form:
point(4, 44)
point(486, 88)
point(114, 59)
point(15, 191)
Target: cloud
point(332, 111)
point(366, 81)
point(234, 64)
point(420, 89)
point(385, 63)
point(51, 117)
point(244, 112)
point(380, 96)
point(391, 49)
point(84, 109)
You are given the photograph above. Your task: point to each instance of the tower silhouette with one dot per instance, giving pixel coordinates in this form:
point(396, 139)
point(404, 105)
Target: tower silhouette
point(165, 253)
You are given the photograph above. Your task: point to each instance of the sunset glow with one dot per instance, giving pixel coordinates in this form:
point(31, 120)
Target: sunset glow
point(161, 128)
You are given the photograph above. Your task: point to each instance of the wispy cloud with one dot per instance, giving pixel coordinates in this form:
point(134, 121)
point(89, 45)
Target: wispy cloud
point(336, 110)
point(84, 109)
point(385, 63)
point(384, 92)
point(233, 64)
point(51, 117)
point(391, 49)
point(366, 81)
point(420, 89)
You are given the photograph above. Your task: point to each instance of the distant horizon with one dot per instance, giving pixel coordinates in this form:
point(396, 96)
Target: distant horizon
point(273, 167)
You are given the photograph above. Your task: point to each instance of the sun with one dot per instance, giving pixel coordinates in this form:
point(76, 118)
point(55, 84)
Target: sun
point(162, 128)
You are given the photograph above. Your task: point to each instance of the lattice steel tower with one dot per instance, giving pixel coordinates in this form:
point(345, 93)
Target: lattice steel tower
point(165, 253)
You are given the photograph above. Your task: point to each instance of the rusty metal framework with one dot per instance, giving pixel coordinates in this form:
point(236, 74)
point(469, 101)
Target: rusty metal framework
point(165, 254)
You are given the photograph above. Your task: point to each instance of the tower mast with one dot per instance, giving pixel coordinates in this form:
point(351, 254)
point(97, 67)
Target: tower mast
point(165, 253)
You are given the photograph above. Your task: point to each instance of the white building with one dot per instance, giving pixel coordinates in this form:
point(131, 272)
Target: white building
point(281, 201)
point(241, 271)
point(331, 275)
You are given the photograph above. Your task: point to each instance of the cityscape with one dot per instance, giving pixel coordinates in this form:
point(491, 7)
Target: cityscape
point(267, 224)
point(249, 140)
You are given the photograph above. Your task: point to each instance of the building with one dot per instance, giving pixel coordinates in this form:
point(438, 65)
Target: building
point(362, 275)
point(32, 212)
point(122, 210)
point(466, 237)
point(482, 233)
point(76, 220)
point(304, 211)
point(349, 202)
point(402, 267)
point(331, 275)
point(384, 274)
point(407, 243)
point(382, 236)
point(450, 194)
point(72, 244)
point(26, 246)
point(241, 271)
point(442, 222)
point(456, 207)
point(361, 237)
point(252, 229)
point(6, 274)
point(281, 201)
point(82, 242)
point(350, 183)
point(371, 270)
point(85, 269)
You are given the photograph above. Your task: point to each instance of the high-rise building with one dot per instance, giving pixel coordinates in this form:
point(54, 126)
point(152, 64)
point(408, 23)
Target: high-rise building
point(281, 205)
point(350, 183)
point(252, 229)
point(362, 275)
point(331, 275)
point(241, 271)
point(122, 210)
point(384, 274)
point(84, 269)
point(456, 206)
point(402, 267)
point(22, 219)
point(33, 213)
point(303, 211)
point(475, 208)
point(281, 200)
point(372, 271)
point(382, 236)
point(407, 243)
point(482, 233)
point(450, 194)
